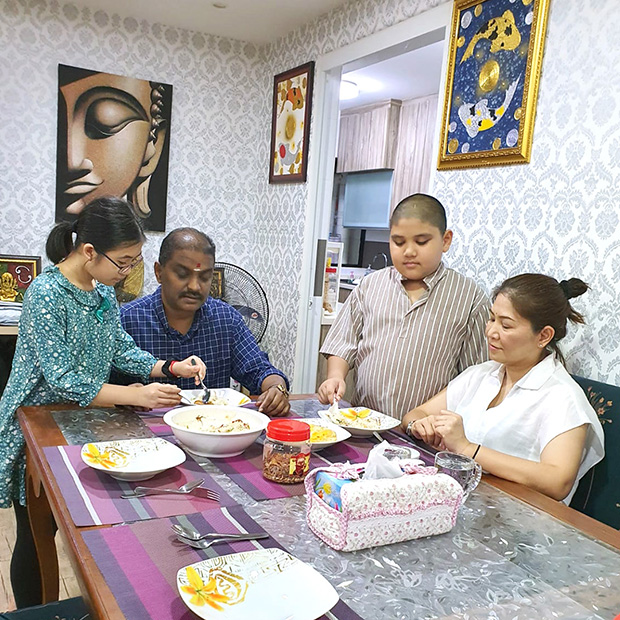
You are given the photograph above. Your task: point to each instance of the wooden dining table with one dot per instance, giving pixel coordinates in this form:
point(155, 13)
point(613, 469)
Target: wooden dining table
point(513, 549)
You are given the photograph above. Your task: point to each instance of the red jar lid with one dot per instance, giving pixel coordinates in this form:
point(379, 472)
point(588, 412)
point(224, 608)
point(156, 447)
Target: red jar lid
point(331, 270)
point(288, 430)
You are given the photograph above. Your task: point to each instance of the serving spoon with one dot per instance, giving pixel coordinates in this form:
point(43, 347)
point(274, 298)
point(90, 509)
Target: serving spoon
point(206, 394)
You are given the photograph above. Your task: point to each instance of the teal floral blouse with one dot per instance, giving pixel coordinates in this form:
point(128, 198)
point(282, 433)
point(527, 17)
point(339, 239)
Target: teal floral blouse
point(69, 339)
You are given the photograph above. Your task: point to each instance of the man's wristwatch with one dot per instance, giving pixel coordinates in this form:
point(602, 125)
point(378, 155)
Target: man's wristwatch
point(281, 388)
point(167, 370)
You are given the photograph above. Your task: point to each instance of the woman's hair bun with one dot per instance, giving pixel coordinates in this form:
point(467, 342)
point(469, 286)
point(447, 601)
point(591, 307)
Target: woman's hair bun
point(573, 287)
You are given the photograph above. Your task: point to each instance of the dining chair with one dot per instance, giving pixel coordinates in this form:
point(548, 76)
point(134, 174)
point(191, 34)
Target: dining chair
point(598, 493)
point(67, 609)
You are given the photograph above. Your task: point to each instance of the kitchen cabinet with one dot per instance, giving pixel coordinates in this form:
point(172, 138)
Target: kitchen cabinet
point(368, 136)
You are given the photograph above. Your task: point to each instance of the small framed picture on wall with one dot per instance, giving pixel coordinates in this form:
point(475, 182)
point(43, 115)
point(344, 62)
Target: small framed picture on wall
point(290, 124)
point(16, 275)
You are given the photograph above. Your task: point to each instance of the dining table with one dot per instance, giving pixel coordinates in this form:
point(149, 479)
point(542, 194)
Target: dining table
point(513, 552)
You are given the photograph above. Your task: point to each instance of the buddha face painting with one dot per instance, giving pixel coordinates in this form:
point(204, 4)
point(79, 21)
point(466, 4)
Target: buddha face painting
point(112, 141)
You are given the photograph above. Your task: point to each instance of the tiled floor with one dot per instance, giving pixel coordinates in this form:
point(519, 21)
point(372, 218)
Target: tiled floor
point(68, 583)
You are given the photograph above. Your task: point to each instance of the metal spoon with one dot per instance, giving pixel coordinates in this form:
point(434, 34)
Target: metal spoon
point(205, 544)
point(206, 395)
point(194, 535)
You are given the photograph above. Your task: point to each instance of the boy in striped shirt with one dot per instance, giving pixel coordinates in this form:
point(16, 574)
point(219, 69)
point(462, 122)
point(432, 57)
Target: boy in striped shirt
point(411, 328)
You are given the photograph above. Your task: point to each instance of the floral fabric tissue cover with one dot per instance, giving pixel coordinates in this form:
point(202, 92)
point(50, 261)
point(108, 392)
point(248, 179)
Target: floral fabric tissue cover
point(381, 512)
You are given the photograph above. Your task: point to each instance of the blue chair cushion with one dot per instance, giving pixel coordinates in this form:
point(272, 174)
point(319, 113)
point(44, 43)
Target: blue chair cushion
point(598, 493)
point(67, 609)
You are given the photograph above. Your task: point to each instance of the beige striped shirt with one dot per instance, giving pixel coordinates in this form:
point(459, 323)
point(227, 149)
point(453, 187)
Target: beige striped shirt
point(406, 352)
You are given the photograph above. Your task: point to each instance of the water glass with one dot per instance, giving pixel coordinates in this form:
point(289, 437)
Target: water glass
point(463, 469)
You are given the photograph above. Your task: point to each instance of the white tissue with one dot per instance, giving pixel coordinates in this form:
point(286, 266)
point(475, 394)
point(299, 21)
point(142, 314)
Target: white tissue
point(379, 466)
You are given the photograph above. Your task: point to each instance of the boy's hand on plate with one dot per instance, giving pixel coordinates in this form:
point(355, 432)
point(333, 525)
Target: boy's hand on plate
point(330, 390)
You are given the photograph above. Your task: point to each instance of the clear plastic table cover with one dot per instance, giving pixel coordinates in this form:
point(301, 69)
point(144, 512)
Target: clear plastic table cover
point(503, 559)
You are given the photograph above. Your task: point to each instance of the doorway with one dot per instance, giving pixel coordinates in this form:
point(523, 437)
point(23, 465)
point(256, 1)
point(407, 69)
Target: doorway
point(417, 32)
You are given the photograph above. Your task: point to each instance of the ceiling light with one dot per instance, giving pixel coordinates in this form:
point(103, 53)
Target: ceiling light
point(219, 5)
point(348, 90)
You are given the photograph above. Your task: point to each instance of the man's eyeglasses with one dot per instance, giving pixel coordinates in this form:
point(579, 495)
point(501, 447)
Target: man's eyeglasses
point(123, 269)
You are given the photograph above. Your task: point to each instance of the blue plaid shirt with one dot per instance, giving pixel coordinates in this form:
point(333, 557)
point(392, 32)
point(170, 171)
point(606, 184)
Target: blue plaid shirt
point(218, 336)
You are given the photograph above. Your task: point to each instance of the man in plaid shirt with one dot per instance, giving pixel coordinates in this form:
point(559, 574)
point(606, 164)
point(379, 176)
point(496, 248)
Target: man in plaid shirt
point(180, 319)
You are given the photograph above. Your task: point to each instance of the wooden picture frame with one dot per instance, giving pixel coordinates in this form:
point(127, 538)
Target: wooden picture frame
point(494, 61)
point(16, 275)
point(217, 284)
point(290, 124)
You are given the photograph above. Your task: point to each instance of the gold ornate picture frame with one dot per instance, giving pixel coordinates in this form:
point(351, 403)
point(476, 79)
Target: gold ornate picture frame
point(290, 124)
point(16, 275)
point(495, 55)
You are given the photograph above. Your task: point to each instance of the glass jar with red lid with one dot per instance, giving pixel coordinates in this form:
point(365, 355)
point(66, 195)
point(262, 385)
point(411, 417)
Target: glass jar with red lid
point(286, 451)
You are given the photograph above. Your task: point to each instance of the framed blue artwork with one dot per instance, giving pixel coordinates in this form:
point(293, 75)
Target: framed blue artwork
point(496, 49)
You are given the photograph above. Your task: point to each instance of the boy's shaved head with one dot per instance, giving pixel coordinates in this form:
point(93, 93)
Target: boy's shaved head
point(421, 207)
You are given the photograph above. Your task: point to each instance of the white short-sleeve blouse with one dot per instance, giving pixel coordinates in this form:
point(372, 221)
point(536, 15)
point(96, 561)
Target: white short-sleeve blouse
point(543, 404)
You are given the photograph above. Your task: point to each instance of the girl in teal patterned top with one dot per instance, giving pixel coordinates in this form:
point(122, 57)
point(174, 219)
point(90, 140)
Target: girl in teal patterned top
point(70, 337)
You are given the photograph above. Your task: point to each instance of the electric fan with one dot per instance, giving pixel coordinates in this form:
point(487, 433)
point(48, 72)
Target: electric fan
point(240, 289)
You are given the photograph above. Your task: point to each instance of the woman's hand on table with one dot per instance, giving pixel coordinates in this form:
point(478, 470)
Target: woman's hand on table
point(331, 388)
point(449, 426)
point(273, 402)
point(156, 395)
point(190, 367)
point(424, 429)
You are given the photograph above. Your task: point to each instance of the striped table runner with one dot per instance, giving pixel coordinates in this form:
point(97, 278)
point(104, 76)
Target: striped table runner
point(246, 470)
point(139, 562)
point(94, 498)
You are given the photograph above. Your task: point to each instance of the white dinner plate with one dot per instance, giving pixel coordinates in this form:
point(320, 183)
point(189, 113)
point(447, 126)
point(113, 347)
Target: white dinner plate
point(132, 459)
point(221, 396)
point(346, 418)
point(268, 584)
point(341, 433)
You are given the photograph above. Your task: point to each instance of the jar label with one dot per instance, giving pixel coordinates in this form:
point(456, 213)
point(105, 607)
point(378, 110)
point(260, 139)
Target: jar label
point(299, 465)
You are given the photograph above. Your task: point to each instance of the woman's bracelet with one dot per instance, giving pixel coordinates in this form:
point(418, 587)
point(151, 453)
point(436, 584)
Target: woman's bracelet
point(476, 452)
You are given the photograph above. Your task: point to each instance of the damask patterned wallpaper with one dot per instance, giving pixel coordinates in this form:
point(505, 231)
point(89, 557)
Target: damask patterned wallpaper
point(214, 168)
point(558, 214)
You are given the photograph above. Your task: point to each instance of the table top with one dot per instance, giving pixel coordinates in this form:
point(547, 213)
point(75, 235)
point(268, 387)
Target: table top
point(512, 554)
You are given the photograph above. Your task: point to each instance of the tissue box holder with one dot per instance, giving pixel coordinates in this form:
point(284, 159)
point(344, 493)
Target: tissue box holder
point(381, 512)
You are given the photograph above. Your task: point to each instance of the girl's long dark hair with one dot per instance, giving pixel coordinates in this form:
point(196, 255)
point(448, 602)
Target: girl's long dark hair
point(106, 223)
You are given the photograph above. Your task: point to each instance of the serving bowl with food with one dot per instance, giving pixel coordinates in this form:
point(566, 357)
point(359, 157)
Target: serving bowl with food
point(324, 434)
point(214, 430)
point(360, 421)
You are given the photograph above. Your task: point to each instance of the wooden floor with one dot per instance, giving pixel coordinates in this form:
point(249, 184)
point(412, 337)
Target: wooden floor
point(68, 583)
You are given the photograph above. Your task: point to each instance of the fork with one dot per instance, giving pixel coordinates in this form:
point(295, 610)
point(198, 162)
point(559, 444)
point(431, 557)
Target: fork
point(182, 490)
point(205, 544)
point(194, 534)
point(206, 394)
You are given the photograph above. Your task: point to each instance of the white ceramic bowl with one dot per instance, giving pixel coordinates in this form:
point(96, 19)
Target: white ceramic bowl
point(212, 444)
point(225, 395)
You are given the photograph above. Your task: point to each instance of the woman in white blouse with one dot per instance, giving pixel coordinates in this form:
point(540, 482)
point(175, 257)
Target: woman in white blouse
point(520, 415)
